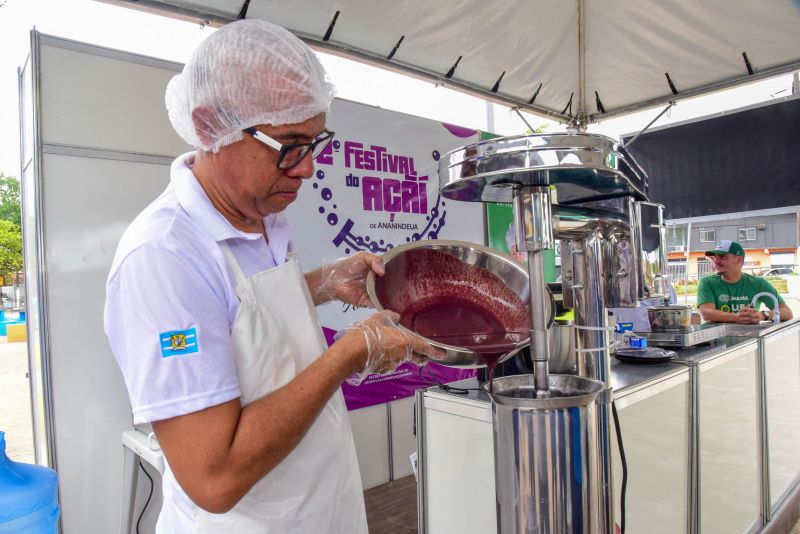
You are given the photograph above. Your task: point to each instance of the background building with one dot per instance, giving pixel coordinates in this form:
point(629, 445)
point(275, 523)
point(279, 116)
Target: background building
point(770, 241)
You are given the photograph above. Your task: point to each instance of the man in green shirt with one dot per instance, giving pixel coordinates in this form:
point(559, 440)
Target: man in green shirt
point(727, 296)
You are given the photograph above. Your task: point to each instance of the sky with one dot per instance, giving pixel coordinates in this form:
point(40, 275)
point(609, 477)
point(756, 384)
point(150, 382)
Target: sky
point(125, 29)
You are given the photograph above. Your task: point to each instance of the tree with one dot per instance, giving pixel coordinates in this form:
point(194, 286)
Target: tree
point(10, 228)
point(9, 199)
point(10, 247)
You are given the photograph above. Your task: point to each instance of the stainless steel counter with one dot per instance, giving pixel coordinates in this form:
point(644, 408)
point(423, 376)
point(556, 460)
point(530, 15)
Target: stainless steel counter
point(728, 407)
point(700, 353)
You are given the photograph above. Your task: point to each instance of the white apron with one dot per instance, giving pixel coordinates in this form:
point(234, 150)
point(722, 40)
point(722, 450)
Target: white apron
point(316, 489)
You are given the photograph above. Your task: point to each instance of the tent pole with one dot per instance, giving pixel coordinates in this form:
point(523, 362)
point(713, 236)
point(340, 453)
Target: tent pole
point(649, 124)
point(523, 120)
point(581, 58)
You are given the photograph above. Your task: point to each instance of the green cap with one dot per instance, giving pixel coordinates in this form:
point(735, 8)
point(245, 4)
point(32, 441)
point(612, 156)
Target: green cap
point(726, 246)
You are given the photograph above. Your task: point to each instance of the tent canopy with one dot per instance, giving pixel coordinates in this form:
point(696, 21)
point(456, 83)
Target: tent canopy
point(566, 59)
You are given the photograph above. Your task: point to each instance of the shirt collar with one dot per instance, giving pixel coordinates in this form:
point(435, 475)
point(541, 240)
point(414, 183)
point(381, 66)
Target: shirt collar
point(194, 200)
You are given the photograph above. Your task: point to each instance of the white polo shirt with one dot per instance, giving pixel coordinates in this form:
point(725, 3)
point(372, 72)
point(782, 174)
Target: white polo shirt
point(170, 299)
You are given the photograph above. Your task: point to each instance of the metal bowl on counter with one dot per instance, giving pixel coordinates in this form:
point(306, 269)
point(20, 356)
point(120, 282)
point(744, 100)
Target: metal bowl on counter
point(562, 349)
point(433, 269)
point(669, 318)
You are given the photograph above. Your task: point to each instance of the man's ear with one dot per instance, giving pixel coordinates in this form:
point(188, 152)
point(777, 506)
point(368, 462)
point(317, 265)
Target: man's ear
point(206, 125)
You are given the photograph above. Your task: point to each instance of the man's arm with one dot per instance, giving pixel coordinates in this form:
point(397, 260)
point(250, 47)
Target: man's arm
point(219, 453)
point(746, 315)
point(711, 313)
point(785, 312)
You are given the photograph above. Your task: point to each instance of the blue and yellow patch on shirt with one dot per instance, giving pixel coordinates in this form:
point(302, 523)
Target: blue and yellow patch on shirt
point(178, 342)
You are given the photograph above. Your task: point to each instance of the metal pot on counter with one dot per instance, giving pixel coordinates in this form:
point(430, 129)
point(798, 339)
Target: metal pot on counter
point(669, 318)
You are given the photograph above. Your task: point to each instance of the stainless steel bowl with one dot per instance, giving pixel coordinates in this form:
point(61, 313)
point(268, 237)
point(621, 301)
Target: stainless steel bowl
point(562, 349)
point(669, 318)
point(394, 291)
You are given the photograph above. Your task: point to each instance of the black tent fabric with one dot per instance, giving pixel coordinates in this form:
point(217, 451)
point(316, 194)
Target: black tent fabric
point(742, 161)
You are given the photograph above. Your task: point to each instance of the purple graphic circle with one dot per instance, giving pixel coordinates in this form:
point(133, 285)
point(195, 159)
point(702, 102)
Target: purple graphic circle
point(326, 194)
point(320, 174)
point(315, 185)
point(435, 154)
point(333, 219)
point(321, 209)
point(336, 144)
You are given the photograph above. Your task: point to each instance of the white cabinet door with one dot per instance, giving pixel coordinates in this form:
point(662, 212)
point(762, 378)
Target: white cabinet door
point(728, 423)
point(782, 362)
point(655, 432)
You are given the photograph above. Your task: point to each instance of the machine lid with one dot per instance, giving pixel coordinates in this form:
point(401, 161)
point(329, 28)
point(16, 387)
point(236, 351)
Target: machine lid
point(582, 167)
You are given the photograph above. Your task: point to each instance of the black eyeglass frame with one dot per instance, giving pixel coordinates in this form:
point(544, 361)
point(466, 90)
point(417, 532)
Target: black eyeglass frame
point(283, 150)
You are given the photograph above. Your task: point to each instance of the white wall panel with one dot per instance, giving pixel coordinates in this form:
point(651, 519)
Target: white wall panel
point(111, 103)
point(89, 203)
point(783, 418)
point(403, 440)
point(729, 484)
point(372, 444)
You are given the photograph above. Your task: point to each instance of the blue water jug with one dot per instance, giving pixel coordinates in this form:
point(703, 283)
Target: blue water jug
point(28, 496)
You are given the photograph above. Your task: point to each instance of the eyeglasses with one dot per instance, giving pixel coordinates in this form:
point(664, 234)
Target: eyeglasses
point(292, 154)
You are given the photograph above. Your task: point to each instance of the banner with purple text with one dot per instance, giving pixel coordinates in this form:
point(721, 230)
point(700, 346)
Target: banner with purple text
point(376, 187)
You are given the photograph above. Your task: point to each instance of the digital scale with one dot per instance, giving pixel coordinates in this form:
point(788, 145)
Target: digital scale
point(694, 335)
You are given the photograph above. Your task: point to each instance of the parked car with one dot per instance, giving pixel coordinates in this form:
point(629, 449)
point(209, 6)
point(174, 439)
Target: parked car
point(778, 271)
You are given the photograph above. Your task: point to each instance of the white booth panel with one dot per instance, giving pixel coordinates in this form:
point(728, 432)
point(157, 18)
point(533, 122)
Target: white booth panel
point(106, 100)
point(26, 104)
point(403, 440)
point(372, 444)
point(657, 457)
point(783, 410)
point(33, 297)
point(729, 482)
point(459, 453)
point(90, 402)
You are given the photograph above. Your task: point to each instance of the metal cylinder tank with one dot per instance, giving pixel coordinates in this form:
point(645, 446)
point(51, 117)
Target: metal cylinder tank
point(547, 458)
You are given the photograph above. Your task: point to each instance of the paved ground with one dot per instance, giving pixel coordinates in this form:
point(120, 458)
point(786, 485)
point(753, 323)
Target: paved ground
point(15, 401)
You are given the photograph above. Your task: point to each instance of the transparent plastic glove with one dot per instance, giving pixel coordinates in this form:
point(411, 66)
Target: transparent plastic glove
point(346, 279)
point(387, 345)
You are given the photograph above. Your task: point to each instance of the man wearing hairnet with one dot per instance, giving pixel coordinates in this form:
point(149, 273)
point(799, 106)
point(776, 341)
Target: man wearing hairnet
point(212, 321)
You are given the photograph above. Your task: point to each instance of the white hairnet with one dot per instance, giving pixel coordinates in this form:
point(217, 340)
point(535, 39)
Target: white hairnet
point(247, 73)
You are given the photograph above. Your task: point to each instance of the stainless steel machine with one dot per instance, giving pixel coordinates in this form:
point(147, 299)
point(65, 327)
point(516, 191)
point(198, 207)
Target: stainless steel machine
point(552, 451)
